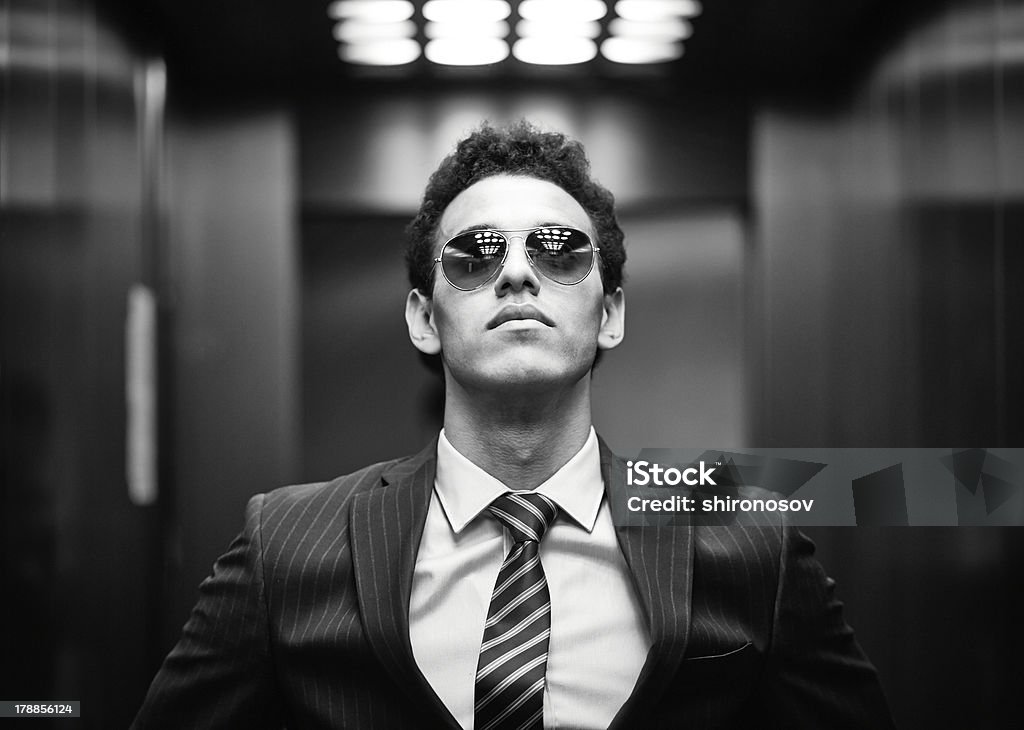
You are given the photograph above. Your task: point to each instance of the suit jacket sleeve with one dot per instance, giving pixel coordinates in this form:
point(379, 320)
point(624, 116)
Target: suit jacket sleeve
point(220, 675)
point(816, 674)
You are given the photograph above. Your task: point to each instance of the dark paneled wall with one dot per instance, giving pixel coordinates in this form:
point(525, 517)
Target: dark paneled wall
point(365, 395)
point(77, 615)
point(888, 239)
point(94, 201)
point(234, 355)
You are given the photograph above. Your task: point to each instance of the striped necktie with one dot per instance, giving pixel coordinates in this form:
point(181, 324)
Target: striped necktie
point(514, 653)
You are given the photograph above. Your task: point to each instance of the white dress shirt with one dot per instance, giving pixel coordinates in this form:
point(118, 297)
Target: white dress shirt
point(599, 636)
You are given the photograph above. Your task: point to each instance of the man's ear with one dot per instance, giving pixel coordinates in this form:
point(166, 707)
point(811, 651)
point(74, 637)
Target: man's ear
point(419, 316)
point(613, 321)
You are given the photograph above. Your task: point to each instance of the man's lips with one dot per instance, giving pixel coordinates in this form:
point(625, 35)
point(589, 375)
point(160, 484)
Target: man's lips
point(512, 312)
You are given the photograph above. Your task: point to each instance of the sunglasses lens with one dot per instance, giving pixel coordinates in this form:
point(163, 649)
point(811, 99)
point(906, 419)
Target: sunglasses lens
point(471, 259)
point(564, 255)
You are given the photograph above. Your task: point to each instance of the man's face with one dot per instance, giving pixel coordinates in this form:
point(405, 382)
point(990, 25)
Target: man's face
point(520, 329)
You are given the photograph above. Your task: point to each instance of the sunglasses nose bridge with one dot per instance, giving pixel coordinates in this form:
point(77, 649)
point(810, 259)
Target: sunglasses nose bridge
point(517, 266)
point(510, 239)
point(512, 249)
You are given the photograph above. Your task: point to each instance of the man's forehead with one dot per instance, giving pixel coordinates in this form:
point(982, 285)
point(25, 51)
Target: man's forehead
point(511, 202)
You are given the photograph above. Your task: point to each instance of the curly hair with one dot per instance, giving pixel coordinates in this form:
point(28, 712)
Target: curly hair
point(517, 149)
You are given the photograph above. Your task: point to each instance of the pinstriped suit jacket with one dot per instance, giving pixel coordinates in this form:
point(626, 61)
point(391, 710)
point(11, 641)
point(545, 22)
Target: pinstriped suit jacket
point(304, 622)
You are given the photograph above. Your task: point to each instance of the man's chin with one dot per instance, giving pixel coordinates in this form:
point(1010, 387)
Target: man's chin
point(529, 375)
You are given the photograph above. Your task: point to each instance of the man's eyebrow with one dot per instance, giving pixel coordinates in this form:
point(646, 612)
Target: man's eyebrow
point(476, 227)
point(493, 227)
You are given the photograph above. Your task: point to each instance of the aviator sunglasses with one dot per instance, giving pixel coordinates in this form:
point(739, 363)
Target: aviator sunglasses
point(563, 254)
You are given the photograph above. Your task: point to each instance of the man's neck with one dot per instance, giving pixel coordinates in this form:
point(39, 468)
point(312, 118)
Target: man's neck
point(520, 442)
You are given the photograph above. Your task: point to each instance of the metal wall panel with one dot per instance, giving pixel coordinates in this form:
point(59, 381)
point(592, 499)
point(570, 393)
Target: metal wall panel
point(887, 249)
point(77, 554)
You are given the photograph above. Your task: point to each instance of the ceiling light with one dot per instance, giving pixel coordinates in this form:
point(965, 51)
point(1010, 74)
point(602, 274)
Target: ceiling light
point(634, 50)
point(354, 31)
point(374, 11)
point(577, 29)
point(672, 29)
point(465, 10)
point(562, 10)
point(492, 29)
point(391, 52)
point(547, 51)
point(657, 9)
point(472, 51)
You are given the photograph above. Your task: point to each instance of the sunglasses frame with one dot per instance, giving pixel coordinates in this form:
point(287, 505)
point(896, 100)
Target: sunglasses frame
point(504, 232)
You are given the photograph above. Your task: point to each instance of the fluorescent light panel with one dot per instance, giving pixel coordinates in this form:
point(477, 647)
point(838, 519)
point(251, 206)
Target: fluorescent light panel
point(673, 29)
point(576, 29)
point(355, 31)
point(466, 51)
point(562, 10)
point(454, 29)
point(391, 52)
point(374, 11)
point(473, 32)
point(634, 51)
point(649, 31)
point(653, 10)
point(463, 10)
point(554, 51)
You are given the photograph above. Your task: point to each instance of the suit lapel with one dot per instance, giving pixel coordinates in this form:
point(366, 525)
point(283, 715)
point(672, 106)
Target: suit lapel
point(386, 525)
point(660, 559)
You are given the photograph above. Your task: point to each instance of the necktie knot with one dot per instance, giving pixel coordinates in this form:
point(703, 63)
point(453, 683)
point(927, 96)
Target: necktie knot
point(527, 515)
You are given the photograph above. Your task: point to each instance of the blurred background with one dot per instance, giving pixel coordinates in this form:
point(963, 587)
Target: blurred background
point(202, 208)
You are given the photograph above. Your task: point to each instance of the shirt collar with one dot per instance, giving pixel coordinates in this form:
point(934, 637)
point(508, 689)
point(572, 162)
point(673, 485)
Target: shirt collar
point(465, 490)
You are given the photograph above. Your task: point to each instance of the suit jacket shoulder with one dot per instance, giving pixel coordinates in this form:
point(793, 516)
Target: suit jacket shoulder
point(285, 632)
point(279, 504)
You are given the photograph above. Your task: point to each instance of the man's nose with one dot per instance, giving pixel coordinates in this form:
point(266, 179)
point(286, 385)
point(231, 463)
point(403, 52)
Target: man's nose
point(517, 273)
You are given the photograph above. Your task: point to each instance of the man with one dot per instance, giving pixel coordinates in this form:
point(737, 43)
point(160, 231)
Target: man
point(483, 583)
